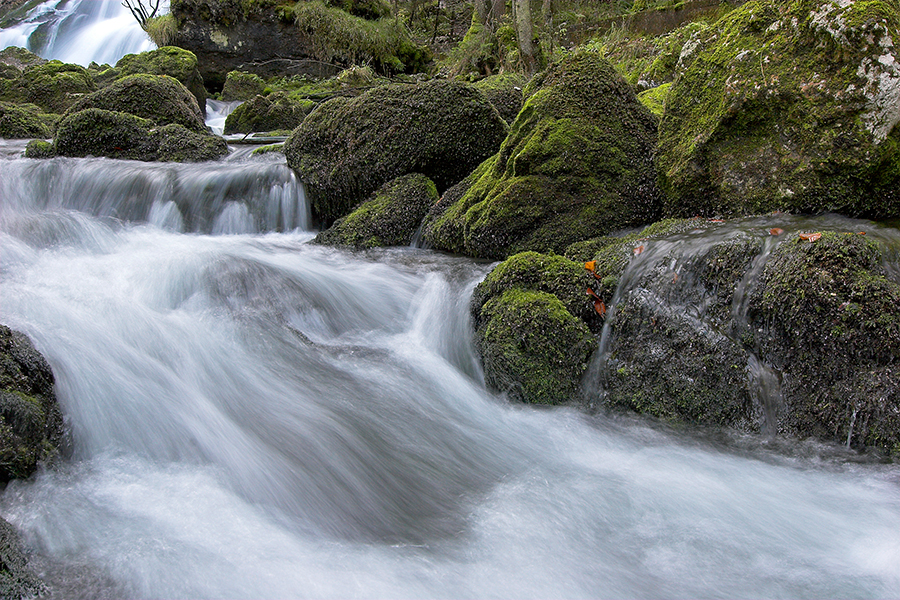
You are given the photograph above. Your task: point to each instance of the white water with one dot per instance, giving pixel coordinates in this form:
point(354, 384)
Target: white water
point(256, 417)
point(80, 31)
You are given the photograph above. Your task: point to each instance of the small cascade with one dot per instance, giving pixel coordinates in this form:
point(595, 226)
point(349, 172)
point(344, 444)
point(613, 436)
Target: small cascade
point(248, 195)
point(80, 31)
point(216, 113)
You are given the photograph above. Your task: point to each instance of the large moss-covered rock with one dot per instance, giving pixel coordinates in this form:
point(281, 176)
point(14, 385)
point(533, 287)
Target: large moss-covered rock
point(98, 132)
point(787, 106)
point(348, 148)
point(277, 111)
point(578, 162)
point(20, 58)
point(52, 85)
point(39, 149)
point(159, 98)
point(168, 60)
point(22, 121)
point(31, 425)
point(390, 217)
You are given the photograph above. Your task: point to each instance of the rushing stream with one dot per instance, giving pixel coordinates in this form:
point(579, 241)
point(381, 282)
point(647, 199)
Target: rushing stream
point(253, 416)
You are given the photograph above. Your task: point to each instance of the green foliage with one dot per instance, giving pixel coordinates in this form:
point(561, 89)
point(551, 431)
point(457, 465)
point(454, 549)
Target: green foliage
point(162, 30)
point(336, 36)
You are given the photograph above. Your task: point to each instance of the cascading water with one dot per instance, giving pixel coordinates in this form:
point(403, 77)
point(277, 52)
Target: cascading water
point(80, 31)
point(253, 416)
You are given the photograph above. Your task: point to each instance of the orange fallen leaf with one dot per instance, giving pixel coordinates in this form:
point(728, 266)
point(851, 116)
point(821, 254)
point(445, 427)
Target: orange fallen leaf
point(810, 236)
point(600, 307)
point(592, 293)
point(861, 233)
point(776, 231)
point(638, 250)
point(591, 266)
point(675, 278)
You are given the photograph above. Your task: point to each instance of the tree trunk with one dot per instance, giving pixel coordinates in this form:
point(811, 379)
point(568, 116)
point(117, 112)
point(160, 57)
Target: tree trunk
point(525, 34)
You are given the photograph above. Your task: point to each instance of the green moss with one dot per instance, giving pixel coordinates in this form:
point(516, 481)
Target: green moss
point(532, 348)
point(577, 162)
point(22, 121)
point(277, 111)
point(655, 98)
point(267, 149)
point(390, 217)
point(774, 112)
point(336, 36)
point(39, 149)
point(504, 92)
point(161, 99)
point(168, 60)
point(178, 144)
point(53, 85)
point(242, 86)
point(347, 148)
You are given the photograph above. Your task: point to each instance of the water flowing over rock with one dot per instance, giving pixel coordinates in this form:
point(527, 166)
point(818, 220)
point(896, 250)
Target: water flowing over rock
point(787, 106)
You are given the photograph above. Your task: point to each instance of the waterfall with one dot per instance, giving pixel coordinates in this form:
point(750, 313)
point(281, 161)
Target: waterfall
point(254, 416)
point(79, 31)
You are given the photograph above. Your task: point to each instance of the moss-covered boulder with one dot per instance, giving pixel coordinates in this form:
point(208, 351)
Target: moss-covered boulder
point(98, 132)
point(347, 148)
point(787, 106)
point(22, 121)
point(31, 425)
point(39, 149)
point(578, 162)
point(504, 91)
point(20, 58)
point(268, 113)
point(179, 144)
point(159, 98)
point(390, 217)
point(175, 62)
point(242, 86)
point(532, 330)
point(53, 85)
point(826, 314)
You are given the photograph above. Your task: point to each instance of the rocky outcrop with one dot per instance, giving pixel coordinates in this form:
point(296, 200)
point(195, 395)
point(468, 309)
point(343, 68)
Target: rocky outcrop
point(347, 148)
point(390, 217)
point(280, 39)
point(787, 106)
point(578, 161)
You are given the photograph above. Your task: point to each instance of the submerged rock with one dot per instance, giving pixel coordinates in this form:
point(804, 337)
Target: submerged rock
point(390, 217)
point(348, 148)
point(787, 106)
point(578, 161)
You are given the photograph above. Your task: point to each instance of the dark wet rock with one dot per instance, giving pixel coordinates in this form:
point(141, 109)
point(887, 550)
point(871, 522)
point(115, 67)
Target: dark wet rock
point(276, 111)
point(17, 581)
